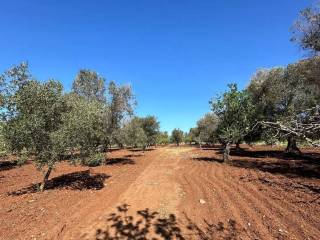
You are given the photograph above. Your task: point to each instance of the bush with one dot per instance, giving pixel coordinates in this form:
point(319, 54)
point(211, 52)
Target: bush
point(94, 160)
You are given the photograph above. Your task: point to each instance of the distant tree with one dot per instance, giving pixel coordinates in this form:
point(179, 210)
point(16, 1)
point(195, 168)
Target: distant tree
point(234, 110)
point(306, 30)
point(163, 138)
point(89, 85)
point(121, 103)
point(206, 128)
point(187, 137)
point(134, 134)
point(33, 113)
point(177, 136)
point(150, 126)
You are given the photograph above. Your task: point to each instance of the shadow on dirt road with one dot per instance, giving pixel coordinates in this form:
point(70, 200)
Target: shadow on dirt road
point(149, 225)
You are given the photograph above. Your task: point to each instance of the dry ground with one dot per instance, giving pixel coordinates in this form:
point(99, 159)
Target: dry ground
point(167, 193)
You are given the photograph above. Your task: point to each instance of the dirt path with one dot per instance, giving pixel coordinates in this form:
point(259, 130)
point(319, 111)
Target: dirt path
point(154, 189)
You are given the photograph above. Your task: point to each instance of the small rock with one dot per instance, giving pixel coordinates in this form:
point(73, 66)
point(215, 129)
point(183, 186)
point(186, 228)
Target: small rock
point(249, 224)
point(282, 232)
point(202, 201)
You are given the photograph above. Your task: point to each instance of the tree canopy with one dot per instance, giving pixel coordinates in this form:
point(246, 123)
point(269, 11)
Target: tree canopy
point(177, 136)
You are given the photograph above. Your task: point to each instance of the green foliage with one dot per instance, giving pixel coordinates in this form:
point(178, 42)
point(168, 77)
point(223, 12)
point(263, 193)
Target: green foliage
point(192, 136)
point(23, 157)
point(163, 138)
point(3, 144)
point(139, 132)
point(38, 119)
point(90, 85)
point(94, 160)
point(34, 116)
point(83, 126)
point(134, 134)
point(120, 103)
point(285, 95)
point(177, 136)
point(206, 128)
point(151, 127)
point(235, 111)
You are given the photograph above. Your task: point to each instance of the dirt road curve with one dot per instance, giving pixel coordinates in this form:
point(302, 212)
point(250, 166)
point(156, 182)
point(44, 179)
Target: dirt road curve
point(167, 193)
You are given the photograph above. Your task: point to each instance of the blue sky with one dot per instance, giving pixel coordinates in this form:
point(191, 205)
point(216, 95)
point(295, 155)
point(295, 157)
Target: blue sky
point(176, 54)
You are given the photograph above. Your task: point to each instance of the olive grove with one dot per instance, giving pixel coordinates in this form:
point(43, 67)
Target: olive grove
point(40, 120)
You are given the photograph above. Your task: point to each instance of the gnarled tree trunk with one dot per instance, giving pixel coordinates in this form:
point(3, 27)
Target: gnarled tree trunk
point(45, 179)
point(292, 147)
point(226, 152)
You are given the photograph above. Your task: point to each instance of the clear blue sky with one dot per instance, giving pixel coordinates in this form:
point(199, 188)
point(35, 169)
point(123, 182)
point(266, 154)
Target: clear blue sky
point(176, 54)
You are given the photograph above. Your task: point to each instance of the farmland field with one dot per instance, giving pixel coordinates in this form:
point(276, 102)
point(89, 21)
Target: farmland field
point(167, 193)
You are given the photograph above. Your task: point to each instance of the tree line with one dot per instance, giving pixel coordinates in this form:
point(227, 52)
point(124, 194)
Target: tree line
point(39, 120)
point(281, 103)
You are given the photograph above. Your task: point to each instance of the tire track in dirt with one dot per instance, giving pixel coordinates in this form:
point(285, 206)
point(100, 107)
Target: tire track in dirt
point(243, 214)
point(269, 218)
point(255, 205)
point(219, 207)
point(278, 212)
point(281, 211)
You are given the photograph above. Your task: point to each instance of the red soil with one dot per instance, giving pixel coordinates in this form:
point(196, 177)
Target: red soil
point(167, 193)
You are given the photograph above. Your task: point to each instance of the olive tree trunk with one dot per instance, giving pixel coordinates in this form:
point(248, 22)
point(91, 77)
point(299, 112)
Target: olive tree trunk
point(292, 147)
point(45, 179)
point(238, 146)
point(226, 153)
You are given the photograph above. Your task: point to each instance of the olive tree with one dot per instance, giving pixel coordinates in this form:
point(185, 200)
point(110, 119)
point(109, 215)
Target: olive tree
point(206, 128)
point(150, 126)
point(82, 130)
point(89, 85)
point(177, 136)
point(33, 114)
point(234, 110)
point(284, 97)
point(163, 138)
point(134, 134)
point(120, 105)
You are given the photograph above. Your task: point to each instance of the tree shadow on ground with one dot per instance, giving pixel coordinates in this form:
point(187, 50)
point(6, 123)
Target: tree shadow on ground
point(141, 150)
point(81, 180)
point(279, 154)
point(133, 155)
point(210, 147)
point(289, 169)
point(208, 159)
point(147, 224)
point(209, 231)
point(121, 225)
point(307, 168)
point(7, 165)
point(119, 161)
